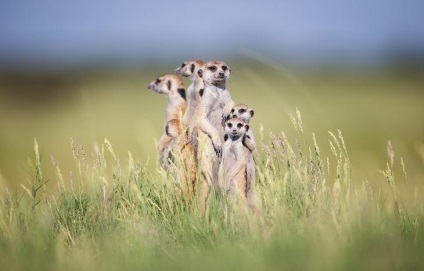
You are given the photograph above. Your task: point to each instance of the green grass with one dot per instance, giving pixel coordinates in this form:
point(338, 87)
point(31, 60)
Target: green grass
point(115, 213)
point(329, 201)
point(118, 106)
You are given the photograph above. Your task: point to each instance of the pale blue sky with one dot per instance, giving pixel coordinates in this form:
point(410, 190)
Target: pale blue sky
point(78, 31)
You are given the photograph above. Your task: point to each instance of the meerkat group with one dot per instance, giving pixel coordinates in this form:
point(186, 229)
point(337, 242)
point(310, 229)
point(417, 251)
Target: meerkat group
point(208, 133)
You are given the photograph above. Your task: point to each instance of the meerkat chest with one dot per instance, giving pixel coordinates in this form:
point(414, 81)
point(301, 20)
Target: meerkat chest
point(232, 151)
point(191, 94)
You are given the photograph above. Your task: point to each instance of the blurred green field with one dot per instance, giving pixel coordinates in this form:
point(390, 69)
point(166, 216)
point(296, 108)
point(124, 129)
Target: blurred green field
point(369, 110)
point(106, 210)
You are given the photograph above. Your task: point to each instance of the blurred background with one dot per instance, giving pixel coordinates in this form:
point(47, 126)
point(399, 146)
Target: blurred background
point(80, 69)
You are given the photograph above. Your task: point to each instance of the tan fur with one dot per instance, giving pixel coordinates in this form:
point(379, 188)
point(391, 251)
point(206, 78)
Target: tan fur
point(184, 162)
point(172, 86)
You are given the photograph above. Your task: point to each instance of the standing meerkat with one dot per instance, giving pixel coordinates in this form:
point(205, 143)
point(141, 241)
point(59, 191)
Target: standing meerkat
point(237, 169)
point(189, 69)
point(184, 161)
point(215, 103)
point(245, 113)
point(172, 86)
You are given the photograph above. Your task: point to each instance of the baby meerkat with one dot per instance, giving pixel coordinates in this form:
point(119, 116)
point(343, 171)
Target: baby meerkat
point(215, 101)
point(237, 169)
point(172, 86)
point(245, 113)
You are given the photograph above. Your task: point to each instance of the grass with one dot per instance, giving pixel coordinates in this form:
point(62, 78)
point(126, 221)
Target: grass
point(113, 213)
point(330, 201)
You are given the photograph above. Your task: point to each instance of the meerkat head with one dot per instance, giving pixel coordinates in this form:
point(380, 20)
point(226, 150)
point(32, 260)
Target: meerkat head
point(235, 128)
point(189, 68)
point(168, 84)
point(214, 72)
point(242, 112)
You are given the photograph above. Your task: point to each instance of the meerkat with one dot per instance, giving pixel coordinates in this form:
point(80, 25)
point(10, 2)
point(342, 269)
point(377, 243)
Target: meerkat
point(215, 104)
point(172, 86)
point(189, 69)
point(237, 169)
point(184, 161)
point(245, 113)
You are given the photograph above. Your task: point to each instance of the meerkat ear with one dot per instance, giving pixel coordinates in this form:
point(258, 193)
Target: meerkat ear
point(247, 127)
point(169, 84)
point(252, 113)
point(192, 68)
point(200, 73)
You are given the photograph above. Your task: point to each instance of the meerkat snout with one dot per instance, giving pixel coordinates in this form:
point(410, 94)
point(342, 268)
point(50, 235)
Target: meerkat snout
point(180, 68)
point(151, 85)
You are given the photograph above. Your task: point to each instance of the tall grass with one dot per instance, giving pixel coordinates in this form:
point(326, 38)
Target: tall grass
point(106, 214)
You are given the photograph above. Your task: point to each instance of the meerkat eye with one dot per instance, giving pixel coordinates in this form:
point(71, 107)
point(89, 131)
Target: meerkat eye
point(183, 65)
point(158, 81)
point(230, 125)
point(224, 68)
point(241, 111)
point(232, 110)
point(212, 68)
point(239, 125)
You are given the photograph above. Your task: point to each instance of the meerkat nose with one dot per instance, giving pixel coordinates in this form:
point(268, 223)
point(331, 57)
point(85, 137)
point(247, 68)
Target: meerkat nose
point(221, 74)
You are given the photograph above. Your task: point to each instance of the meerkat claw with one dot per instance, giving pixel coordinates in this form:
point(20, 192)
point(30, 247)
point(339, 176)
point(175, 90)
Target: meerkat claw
point(218, 150)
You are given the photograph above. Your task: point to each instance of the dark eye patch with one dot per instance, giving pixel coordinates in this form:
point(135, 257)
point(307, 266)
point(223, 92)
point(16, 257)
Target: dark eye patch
point(192, 68)
point(212, 68)
point(241, 111)
point(183, 65)
point(232, 110)
point(230, 125)
point(169, 84)
point(239, 125)
point(158, 81)
point(182, 93)
point(224, 68)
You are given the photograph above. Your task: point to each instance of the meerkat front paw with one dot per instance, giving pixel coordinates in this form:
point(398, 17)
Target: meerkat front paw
point(226, 113)
point(218, 149)
point(216, 143)
point(224, 119)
